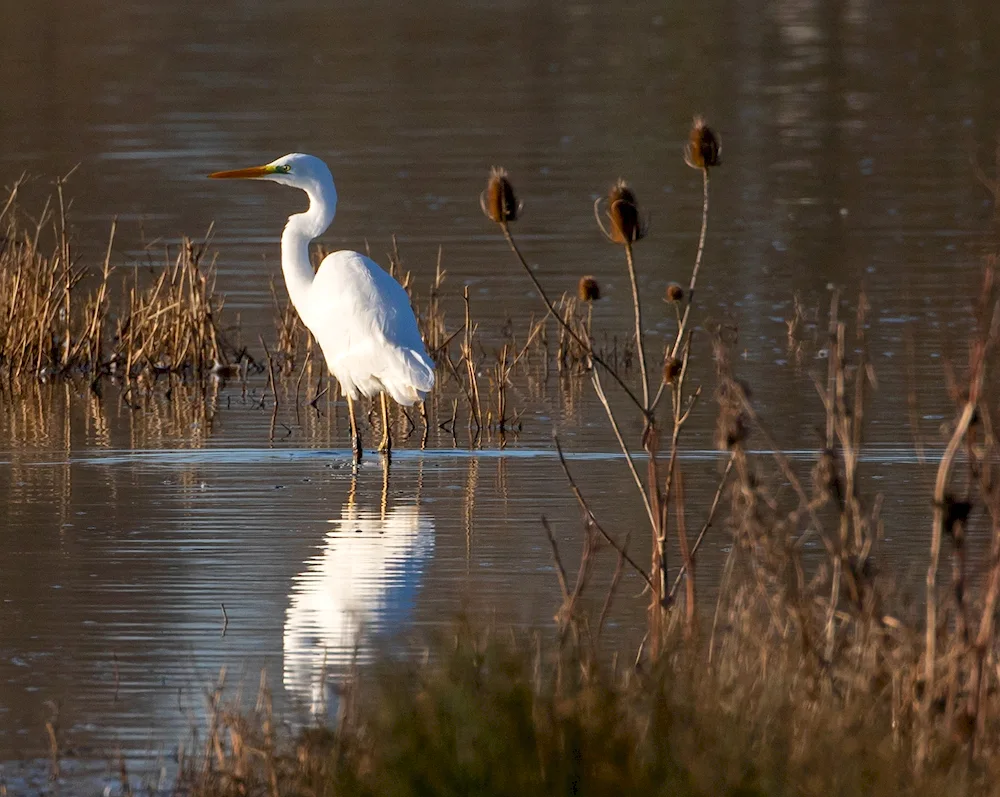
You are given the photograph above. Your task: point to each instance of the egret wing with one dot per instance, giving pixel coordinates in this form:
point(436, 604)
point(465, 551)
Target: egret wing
point(363, 321)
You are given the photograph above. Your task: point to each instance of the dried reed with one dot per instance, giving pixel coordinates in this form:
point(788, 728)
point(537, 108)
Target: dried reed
point(52, 327)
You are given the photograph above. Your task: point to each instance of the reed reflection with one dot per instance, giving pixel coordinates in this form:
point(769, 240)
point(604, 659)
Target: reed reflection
point(362, 583)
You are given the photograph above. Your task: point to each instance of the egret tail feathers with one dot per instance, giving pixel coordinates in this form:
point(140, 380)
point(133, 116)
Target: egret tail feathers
point(409, 377)
point(406, 374)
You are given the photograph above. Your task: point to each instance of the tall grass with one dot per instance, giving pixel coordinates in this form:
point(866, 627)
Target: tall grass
point(61, 317)
point(835, 619)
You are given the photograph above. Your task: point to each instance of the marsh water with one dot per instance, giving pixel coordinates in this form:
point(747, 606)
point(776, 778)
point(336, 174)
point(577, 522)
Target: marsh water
point(141, 550)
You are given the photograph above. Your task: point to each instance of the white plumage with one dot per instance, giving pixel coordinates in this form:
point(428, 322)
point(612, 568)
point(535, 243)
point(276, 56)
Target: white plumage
point(358, 313)
point(362, 319)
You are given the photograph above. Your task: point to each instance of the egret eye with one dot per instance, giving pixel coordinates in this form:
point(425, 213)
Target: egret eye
point(283, 169)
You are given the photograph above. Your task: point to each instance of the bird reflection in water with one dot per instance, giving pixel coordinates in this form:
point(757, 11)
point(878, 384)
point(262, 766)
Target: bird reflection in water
point(363, 583)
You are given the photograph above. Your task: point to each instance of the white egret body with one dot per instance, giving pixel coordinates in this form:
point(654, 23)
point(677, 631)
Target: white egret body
point(360, 315)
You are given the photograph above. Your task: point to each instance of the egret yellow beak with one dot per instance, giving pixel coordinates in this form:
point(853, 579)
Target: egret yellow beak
point(253, 171)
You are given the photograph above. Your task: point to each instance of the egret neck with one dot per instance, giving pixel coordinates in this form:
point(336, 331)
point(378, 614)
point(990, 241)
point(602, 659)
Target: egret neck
point(299, 232)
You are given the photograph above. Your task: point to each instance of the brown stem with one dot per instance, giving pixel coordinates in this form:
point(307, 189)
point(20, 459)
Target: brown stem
point(987, 630)
point(686, 555)
point(595, 378)
point(697, 264)
point(593, 520)
point(640, 348)
point(937, 532)
point(560, 570)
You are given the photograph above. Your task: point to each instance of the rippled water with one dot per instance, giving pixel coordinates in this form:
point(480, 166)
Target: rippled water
point(847, 131)
point(113, 605)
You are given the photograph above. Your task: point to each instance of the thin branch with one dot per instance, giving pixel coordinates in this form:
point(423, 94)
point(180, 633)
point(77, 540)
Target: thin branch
point(593, 520)
point(640, 347)
point(560, 570)
point(697, 265)
point(940, 485)
point(612, 589)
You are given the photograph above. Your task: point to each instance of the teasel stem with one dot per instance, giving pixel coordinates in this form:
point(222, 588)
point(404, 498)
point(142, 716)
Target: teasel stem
point(937, 532)
point(640, 348)
point(707, 525)
point(620, 548)
point(682, 328)
point(569, 329)
point(595, 378)
point(697, 261)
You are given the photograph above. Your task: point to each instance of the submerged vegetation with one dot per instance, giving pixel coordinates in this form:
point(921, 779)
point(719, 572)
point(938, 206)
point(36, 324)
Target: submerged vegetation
point(814, 672)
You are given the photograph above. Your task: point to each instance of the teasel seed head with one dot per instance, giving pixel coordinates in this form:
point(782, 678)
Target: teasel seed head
point(704, 148)
point(498, 201)
point(588, 290)
point(672, 369)
point(625, 223)
point(675, 293)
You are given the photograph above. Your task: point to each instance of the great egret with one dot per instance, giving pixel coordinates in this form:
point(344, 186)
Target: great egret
point(359, 314)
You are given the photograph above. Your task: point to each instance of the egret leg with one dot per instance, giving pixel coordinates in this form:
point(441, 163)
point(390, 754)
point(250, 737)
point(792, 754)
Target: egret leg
point(423, 414)
point(355, 434)
point(386, 445)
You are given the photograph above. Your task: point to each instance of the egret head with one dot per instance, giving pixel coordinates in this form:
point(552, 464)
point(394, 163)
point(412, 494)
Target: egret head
point(297, 170)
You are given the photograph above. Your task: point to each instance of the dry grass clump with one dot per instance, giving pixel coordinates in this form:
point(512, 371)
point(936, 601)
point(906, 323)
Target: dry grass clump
point(171, 325)
point(60, 317)
point(46, 326)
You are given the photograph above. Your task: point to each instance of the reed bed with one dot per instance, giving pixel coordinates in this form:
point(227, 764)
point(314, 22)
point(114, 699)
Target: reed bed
point(159, 324)
point(61, 318)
